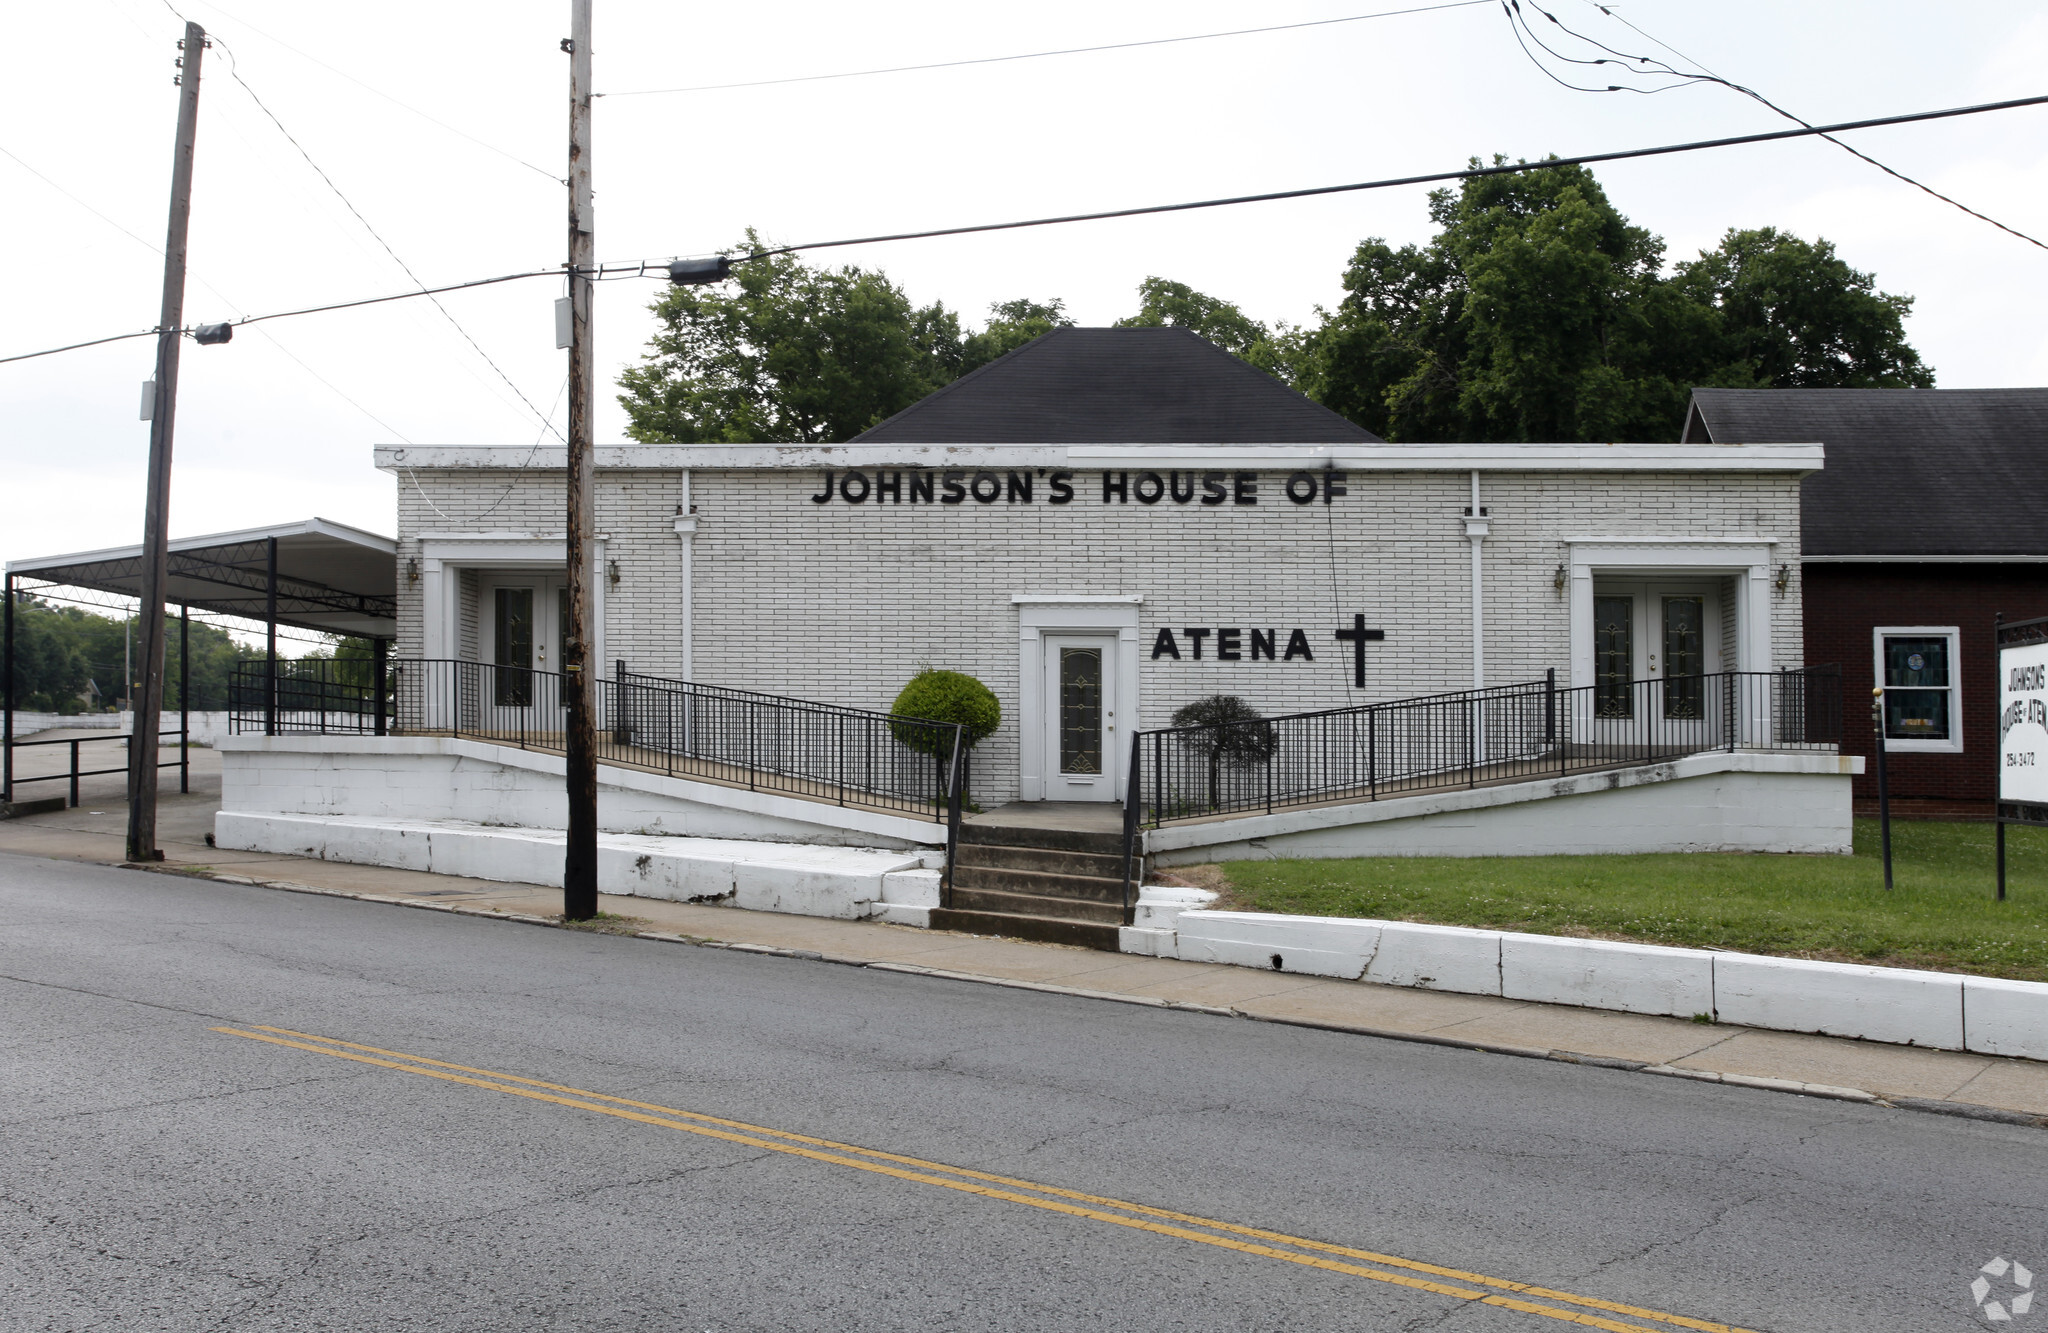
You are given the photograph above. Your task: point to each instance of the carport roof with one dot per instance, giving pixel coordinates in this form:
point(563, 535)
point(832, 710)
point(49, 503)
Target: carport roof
point(330, 577)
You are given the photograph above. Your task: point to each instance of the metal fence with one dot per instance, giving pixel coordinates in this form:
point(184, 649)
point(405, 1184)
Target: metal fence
point(317, 695)
point(1470, 737)
point(849, 756)
point(176, 741)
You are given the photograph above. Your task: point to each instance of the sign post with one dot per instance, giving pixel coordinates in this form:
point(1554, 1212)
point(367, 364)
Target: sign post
point(2022, 727)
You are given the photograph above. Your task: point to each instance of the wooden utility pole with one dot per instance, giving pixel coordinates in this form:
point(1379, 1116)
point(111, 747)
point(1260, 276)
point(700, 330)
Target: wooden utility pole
point(142, 743)
point(579, 868)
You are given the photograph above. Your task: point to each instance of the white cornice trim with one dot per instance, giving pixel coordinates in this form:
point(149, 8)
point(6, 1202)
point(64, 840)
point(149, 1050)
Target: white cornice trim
point(1076, 599)
point(1924, 559)
point(1709, 542)
point(1799, 458)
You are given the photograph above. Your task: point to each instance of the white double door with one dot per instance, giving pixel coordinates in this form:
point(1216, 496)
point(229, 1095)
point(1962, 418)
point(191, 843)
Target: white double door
point(520, 619)
point(1653, 644)
point(1083, 735)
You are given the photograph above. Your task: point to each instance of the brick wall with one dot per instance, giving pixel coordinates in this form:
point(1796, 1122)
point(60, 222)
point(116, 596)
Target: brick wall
point(843, 603)
point(635, 509)
point(1845, 603)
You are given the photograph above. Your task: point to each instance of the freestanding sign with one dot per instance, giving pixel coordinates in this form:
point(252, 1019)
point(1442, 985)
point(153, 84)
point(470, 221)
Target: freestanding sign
point(2022, 728)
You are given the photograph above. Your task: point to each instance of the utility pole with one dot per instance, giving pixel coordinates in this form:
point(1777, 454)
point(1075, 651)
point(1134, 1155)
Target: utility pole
point(142, 743)
point(579, 867)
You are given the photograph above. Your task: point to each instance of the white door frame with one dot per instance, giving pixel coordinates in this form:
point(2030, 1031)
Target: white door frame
point(1084, 613)
point(1646, 648)
point(1651, 560)
point(443, 557)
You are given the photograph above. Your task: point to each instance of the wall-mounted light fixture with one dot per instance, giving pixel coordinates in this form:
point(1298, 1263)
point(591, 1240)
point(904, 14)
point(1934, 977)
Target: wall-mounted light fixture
point(1784, 579)
point(412, 571)
point(1557, 580)
point(611, 570)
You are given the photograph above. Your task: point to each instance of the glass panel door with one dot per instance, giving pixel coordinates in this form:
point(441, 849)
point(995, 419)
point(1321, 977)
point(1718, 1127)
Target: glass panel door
point(1073, 717)
point(1080, 706)
point(1684, 656)
point(512, 647)
point(1614, 656)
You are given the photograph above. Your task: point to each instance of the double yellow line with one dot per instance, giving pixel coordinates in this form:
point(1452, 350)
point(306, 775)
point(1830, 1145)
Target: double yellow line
point(1456, 1283)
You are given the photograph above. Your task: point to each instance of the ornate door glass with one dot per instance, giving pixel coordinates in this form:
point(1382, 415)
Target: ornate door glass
point(1614, 656)
point(1684, 656)
point(1080, 710)
point(512, 649)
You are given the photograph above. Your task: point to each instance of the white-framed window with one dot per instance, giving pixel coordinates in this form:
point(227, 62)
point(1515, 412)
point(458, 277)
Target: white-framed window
point(1920, 668)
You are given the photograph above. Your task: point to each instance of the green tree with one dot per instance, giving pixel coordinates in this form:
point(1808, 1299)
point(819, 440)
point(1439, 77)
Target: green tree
point(1275, 349)
point(1162, 303)
point(70, 660)
point(1539, 312)
point(792, 353)
point(1011, 324)
point(1801, 318)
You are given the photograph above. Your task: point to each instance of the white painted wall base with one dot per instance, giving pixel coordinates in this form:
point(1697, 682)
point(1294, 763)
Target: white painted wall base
point(1739, 801)
point(1937, 1009)
point(845, 882)
point(205, 729)
point(448, 778)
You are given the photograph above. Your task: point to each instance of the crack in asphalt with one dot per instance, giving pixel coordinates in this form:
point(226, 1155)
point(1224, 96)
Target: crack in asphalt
point(182, 1101)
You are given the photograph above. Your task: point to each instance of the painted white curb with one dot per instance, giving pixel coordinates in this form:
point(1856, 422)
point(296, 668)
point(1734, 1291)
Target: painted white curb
point(1934, 1009)
point(1840, 999)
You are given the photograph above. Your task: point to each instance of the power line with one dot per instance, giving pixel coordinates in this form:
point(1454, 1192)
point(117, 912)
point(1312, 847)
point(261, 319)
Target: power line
point(642, 267)
point(1041, 55)
point(1473, 173)
point(379, 92)
point(236, 74)
point(158, 250)
point(307, 310)
point(155, 248)
point(1520, 24)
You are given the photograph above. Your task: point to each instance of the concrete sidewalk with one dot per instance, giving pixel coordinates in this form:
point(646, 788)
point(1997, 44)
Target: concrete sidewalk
point(1944, 1081)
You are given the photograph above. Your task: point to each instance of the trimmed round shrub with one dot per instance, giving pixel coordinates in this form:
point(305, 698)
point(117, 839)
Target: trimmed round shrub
point(946, 696)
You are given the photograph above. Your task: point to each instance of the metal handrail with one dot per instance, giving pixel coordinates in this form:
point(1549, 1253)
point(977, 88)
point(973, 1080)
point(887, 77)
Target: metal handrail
point(829, 752)
point(74, 772)
point(1462, 738)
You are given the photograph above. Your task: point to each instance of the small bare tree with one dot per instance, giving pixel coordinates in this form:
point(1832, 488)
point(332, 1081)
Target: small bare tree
point(1226, 732)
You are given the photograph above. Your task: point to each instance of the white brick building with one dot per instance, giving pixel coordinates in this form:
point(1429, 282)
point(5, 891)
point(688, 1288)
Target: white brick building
point(1159, 517)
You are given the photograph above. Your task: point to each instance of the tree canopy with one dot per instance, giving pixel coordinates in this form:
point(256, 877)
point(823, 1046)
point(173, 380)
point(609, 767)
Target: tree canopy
point(70, 660)
point(791, 353)
point(1536, 312)
point(1539, 312)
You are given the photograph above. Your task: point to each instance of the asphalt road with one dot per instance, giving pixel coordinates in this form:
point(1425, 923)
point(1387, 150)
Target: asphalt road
point(558, 1170)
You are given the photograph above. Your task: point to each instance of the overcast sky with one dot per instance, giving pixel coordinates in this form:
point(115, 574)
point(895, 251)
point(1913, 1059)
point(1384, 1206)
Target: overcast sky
point(279, 424)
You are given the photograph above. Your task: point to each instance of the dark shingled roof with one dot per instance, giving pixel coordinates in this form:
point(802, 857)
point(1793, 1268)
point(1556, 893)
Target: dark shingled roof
point(1117, 386)
point(1909, 472)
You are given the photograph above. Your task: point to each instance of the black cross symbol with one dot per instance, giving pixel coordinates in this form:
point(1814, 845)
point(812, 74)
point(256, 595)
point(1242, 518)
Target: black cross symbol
point(1358, 636)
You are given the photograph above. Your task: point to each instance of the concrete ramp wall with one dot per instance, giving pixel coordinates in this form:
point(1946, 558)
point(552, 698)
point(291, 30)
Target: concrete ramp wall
point(450, 778)
point(1722, 801)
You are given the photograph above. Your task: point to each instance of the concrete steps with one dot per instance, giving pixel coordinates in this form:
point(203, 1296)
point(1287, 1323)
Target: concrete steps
point(1061, 886)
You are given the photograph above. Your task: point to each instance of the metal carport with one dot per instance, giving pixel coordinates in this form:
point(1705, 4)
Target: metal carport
point(315, 574)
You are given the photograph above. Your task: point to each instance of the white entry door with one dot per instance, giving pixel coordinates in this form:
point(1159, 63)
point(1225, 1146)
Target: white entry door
point(1654, 642)
point(1083, 744)
point(520, 620)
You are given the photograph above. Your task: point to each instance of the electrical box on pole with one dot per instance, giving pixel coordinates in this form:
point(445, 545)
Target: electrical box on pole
point(149, 701)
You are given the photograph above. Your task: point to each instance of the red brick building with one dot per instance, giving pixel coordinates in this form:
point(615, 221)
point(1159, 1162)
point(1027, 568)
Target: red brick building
point(1929, 518)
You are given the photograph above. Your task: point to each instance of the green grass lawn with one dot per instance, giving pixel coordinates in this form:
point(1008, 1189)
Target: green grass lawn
point(1941, 915)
